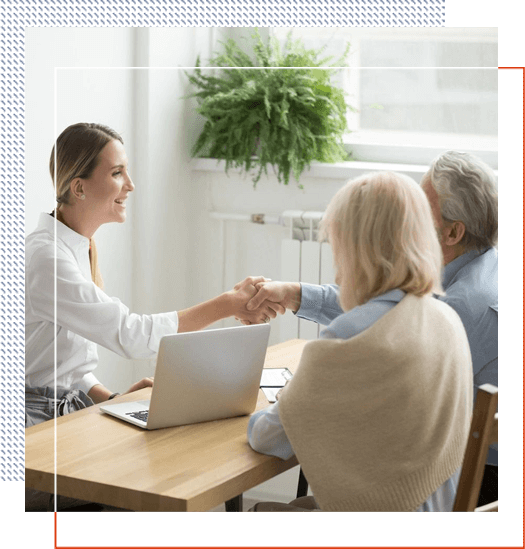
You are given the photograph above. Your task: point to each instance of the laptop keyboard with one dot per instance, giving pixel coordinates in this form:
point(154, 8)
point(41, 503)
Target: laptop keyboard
point(141, 416)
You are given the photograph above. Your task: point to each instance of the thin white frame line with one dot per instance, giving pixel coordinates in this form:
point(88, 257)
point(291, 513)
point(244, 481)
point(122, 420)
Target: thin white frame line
point(279, 68)
point(55, 349)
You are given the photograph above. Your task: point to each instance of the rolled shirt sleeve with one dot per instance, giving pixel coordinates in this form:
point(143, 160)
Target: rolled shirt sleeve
point(319, 303)
point(87, 383)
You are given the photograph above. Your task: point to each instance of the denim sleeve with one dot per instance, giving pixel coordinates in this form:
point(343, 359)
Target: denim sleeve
point(266, 433)
point(319, 303)
point(488, 374)
point(442, 500)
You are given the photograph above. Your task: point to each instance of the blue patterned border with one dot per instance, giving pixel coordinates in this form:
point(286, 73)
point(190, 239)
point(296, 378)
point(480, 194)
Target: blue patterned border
point(17, 15)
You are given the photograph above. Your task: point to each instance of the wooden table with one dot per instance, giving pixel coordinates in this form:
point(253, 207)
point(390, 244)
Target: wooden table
point(191, 468)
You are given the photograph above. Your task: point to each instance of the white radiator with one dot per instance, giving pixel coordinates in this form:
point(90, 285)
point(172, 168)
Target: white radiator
point(304, 260)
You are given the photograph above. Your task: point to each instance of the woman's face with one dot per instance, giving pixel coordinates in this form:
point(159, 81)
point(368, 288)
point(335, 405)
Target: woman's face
point(108, 187)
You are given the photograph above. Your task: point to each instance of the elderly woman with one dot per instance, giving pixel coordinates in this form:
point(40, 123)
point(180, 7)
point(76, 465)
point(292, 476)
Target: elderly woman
point(463, 197)
point(378, 412)
point(92, 182)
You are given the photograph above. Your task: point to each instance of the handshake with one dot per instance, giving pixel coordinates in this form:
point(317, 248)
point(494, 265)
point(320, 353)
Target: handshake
point(257, 299)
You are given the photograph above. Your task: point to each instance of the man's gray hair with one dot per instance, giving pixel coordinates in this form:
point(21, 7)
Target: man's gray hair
point(467, 192)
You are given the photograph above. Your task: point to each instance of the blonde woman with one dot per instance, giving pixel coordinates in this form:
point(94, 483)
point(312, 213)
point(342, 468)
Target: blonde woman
point(378, 412)
point(92, 185)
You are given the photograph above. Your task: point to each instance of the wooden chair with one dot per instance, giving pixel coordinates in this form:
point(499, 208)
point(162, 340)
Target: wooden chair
point(302, 485)
point(483, 433)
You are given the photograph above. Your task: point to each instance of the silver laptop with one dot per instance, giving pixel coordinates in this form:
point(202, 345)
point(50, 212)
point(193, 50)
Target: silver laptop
point(201, 376)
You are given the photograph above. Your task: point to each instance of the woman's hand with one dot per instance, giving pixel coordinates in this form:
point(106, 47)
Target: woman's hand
point(280, 392)
point(242, 293)
point(145, 382)
point(286, 294)
point(270, 296)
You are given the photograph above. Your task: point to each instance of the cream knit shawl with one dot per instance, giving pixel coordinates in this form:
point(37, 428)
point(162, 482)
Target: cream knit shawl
point(379, 421)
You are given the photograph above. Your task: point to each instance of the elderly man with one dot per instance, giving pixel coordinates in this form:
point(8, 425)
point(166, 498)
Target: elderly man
point(462, 193)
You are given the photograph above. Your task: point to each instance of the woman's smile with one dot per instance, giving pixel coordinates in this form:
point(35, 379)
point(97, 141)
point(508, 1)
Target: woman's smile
point(107, 190)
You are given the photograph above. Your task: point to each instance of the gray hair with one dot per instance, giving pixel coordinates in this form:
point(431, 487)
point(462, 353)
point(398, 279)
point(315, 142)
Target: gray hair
point(467, 192)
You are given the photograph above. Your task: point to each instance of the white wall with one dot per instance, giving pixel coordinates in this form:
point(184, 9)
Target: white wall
point(82, 95)
point(78, 99)
point(166, 130)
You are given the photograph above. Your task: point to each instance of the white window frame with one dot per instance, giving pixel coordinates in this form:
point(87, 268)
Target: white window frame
point(405, 147)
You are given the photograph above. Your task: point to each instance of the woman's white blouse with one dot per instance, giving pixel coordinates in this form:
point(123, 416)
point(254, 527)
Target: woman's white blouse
point(85, 315)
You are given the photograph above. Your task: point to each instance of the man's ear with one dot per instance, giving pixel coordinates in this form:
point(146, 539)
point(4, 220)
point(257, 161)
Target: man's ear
point(453, 233)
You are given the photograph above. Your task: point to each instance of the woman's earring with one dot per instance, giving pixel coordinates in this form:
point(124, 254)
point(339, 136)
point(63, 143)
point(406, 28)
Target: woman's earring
point(82, 197)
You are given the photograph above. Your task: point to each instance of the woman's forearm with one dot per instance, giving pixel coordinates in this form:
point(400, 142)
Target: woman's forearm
point(231, 303)
point(99, 393)
point(202, 315)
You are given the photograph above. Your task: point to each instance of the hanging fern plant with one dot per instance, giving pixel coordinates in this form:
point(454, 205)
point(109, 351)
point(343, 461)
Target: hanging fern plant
point(281, 111)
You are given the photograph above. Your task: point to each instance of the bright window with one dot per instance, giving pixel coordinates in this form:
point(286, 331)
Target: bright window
point(418, 91)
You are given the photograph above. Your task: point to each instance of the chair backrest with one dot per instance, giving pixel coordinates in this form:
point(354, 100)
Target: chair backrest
point(483, 433)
